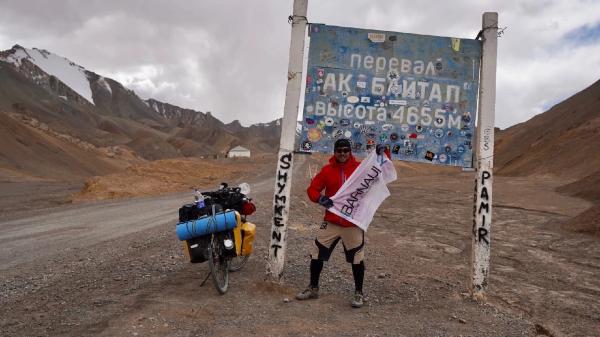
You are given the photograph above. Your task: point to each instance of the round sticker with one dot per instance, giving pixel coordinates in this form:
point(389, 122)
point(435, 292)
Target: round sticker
point(419, 128)
point(439, 133)
point(383, 137)
point(309, 109)
point(352, 99)
point(466, 117)
point(345, 122)
point(329, 121)
point(404, 127)
point(314, 135)
point(387, 127)
point(306, 145)
point(357, 125)
point(442, 158)
point(394, 136)
point(347, 134)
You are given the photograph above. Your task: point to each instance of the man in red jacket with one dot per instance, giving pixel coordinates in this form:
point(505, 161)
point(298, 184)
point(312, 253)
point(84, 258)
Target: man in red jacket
point(332, 176)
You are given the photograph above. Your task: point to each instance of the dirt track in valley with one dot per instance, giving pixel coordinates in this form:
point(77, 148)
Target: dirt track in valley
point(25, 197)
point(116, 269)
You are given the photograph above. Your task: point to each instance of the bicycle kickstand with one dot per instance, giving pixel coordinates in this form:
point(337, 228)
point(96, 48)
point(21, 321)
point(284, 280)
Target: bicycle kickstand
point(207, 276)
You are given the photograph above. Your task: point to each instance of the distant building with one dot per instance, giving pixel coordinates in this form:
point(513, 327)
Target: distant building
point(238, 151)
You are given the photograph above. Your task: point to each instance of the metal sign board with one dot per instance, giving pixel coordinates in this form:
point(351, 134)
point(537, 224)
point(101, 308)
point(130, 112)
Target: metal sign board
point(416, 94)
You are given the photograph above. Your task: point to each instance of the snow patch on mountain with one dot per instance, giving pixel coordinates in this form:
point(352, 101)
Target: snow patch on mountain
point(68, 72)
point(104, 84)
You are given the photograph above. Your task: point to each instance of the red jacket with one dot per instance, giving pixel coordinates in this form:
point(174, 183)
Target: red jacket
point(331, 178)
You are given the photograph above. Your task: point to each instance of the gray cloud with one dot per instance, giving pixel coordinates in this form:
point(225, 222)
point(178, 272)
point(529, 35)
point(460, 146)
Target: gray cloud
point(230, 57)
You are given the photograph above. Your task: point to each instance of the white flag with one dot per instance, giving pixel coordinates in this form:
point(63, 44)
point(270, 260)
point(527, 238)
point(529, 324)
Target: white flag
point(360, 196)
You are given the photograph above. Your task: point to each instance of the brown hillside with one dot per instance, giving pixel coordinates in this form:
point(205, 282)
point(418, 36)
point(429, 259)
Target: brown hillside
point(563, 141)
point(32, 151)
point(18, 94)
point(586, 222)
point(586, 188)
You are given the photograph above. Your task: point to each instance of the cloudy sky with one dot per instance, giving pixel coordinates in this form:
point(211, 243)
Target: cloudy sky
point(230, 57)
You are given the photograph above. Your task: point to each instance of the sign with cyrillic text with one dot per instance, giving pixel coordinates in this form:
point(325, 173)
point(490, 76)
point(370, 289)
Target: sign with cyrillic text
point(416, 94)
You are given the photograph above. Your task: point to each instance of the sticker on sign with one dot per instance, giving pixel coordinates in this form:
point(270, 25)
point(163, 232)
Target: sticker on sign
point(376, 37)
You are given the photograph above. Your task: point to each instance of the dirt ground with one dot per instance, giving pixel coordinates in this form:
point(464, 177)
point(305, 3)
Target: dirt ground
point(544, 281)
point(23, 196)
point(172, 175)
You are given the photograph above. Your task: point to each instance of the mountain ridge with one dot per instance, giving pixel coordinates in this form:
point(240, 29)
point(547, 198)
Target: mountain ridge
point(111, 115)
point(562, 141)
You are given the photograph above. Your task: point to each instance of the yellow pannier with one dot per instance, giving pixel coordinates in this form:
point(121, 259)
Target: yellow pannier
point(248, 232)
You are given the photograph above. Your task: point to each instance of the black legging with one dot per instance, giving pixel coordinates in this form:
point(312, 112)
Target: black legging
point(358, 271)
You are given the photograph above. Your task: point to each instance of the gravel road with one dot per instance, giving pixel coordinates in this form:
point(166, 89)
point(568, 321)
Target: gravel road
point(30, 238)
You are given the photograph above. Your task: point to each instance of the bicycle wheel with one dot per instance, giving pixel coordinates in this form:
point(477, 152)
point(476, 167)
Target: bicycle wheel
point(238, 262)
point(219, 265)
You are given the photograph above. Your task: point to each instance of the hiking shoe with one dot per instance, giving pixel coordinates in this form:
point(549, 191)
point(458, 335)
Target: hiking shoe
point(308, 293)
point(357, 300)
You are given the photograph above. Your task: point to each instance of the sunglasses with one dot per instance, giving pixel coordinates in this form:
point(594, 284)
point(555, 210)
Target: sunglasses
point(342, 150)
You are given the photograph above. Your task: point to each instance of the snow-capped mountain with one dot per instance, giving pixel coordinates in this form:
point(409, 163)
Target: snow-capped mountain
point(90, 86)
point(59, 97)
point(71, 74)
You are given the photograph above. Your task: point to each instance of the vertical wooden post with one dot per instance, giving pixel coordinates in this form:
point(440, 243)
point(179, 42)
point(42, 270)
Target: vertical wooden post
point(283, 178)
point(482, 209)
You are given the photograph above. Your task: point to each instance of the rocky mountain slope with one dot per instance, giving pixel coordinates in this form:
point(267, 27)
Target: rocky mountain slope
point(65, 99)
point(563, 142)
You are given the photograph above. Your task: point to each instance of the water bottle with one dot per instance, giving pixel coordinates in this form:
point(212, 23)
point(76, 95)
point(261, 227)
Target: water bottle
point(199, 199)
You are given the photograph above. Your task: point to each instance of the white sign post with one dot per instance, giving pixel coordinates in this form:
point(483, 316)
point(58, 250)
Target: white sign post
point(482, 209)
point(283, 178)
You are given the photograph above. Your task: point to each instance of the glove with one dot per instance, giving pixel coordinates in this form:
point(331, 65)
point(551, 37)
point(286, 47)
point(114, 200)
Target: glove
point(379, 149)
point(325, 201)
